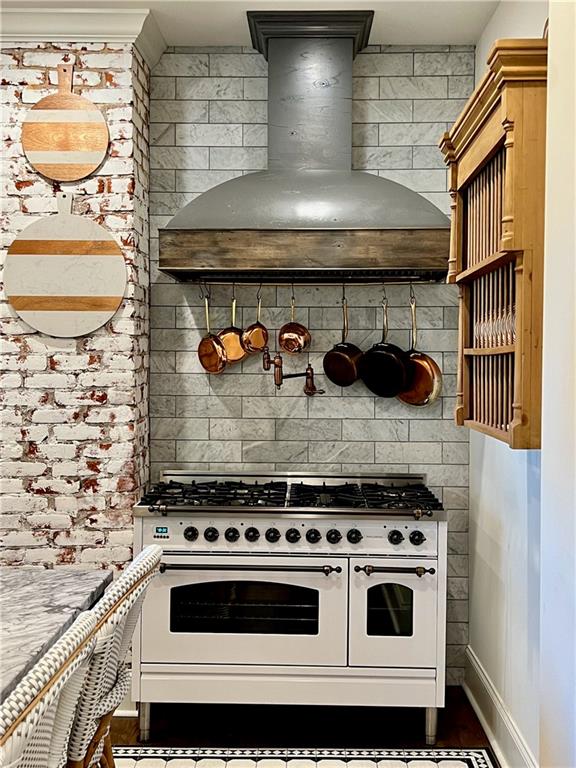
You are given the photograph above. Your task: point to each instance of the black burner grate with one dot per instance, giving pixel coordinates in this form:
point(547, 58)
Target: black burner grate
point(345, 495)
point(218, 493)
point(381, 496)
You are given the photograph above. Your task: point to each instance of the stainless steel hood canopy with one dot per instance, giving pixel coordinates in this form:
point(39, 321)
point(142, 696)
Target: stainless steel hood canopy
point(309, 216)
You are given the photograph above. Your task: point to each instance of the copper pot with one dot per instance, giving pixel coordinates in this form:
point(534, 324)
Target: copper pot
point(294, 337)
point(341, 363)
point(255, 337)
point(424, 376)
point(211, 351)
point(231, 338)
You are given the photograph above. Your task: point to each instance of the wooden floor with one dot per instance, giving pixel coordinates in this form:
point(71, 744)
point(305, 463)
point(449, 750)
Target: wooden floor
point(215, 725)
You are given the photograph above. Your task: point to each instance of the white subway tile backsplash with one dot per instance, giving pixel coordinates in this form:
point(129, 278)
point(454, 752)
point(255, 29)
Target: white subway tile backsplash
point(191, 88)
point(209, 125)
point(454, 63)
point(179, 111)
point(374, 64)
point(413, 88)
point(382, 111)
point(238, 65)
point(182, 65)
point(238, 111)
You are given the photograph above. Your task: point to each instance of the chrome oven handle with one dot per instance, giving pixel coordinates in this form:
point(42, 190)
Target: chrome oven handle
point(325, 569)
point(370, 569)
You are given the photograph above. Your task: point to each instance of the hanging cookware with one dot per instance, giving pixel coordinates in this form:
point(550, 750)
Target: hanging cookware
point(294, 337)
point(424, 383)
point(231, 337)
point(255, 337)
point(211, 352)
point(383, 367)
point(341, 363)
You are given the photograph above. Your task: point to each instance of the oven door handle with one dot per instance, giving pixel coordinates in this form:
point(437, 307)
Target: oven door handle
point(325, 569)
point(370, 569)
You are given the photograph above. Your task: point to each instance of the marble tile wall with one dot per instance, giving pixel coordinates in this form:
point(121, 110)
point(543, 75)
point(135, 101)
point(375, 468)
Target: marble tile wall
point(208, 124)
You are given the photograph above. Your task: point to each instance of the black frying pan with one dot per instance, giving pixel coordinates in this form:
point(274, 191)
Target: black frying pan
point(341, 363)
point(383, 368)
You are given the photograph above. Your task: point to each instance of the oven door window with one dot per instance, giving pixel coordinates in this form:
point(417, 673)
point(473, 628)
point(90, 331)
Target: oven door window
point(244, 607)
point(390, 611)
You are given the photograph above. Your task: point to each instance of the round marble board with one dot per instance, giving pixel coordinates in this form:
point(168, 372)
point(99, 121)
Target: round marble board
point(65, 275)
point(65, 136)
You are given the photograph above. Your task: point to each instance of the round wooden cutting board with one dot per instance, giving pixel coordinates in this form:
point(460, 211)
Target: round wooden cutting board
point(65, 275)
point(65, 136)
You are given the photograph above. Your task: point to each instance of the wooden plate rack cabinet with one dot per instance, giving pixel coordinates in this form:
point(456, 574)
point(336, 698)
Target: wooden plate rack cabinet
point(495, 153)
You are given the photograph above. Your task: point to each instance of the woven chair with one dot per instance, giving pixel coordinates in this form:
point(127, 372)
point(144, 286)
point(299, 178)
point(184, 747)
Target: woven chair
point(36, 717)
point(108, 678)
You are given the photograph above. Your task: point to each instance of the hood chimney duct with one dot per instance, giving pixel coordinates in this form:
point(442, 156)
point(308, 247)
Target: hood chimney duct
point(310, 104)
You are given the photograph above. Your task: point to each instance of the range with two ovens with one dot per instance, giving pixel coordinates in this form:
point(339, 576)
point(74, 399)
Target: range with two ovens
point(293, 590)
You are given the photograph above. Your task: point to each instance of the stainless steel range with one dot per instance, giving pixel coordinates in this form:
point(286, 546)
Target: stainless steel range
point(293, 590)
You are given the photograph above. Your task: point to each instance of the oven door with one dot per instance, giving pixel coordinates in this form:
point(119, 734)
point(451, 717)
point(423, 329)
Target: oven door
point(393, 612)
point(247, 610)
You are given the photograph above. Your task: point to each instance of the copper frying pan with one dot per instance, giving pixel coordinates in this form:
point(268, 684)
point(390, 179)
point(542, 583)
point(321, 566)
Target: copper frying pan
point(231, 338)
point(424, 375)
point(294, 337)
point(255, 337)
point(211, 351)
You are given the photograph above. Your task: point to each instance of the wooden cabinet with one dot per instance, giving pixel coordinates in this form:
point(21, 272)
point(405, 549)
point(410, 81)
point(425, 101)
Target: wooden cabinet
point(495, 152)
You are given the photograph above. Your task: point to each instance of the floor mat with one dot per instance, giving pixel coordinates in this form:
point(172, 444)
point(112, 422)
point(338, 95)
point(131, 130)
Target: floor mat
point(158, 757)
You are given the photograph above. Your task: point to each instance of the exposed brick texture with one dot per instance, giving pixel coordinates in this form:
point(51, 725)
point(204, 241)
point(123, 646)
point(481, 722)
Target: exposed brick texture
point(74, 416)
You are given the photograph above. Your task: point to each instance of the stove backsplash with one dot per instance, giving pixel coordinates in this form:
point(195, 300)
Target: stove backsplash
point(208, 113)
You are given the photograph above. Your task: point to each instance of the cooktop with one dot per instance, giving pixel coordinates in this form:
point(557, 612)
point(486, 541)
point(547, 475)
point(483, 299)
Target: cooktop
point(400, 494)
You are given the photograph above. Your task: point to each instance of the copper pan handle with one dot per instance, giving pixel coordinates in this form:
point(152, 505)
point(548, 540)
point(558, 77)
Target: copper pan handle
point(344, 320)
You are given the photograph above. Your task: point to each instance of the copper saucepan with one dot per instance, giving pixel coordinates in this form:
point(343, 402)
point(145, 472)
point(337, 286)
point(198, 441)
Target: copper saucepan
point(383, 367)
point(294, 337)
point(231, 338)
point(255, 337)
point(424, 375)
point(211, 351)
point(341, 363)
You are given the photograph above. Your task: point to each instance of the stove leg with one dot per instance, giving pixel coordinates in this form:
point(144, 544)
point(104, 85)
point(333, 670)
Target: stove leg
point(144, 720)
point(431, 725)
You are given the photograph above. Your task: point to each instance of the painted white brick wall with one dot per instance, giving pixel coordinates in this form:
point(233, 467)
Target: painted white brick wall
point(208, 124)
point(74, 412)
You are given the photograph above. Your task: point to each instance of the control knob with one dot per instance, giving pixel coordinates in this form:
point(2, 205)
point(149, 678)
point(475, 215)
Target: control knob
point(190, 533)
point(313, 535)
point(354, 536)
point(417, 538)
point(292, 535)
point(211, 534)
point(395, 537)
point(232, 534)
point(272, 535)
point(252, 534)
point(333, 536)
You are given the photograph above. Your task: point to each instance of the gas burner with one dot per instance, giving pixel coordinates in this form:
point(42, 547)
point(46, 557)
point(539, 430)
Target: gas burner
point(416, 496)
point(218, 493)
point(346, 495)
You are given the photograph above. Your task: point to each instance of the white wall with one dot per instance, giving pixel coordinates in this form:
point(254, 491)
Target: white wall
point(504, 644)
point(558, 536)
point(510, 19)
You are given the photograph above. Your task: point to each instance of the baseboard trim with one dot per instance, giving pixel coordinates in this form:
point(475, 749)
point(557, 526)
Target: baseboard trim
point(126, 713)
point(504, 735)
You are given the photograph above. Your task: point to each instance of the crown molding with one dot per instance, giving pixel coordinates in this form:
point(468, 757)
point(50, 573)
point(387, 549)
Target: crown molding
point(85, 25)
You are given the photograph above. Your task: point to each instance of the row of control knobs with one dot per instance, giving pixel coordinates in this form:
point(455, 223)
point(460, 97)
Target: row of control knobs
point(293, 535)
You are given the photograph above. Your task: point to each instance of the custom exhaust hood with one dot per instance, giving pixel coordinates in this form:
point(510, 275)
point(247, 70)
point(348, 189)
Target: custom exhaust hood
point(309, 217)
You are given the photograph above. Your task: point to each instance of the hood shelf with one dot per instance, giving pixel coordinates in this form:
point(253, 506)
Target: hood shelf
point(305, 256)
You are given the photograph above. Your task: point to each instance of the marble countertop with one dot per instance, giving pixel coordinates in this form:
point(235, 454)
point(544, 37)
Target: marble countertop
point(36, 608)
